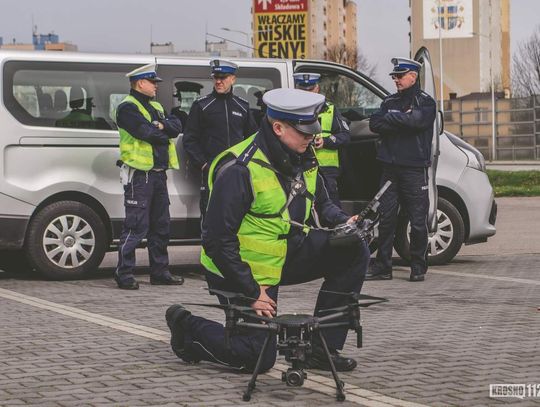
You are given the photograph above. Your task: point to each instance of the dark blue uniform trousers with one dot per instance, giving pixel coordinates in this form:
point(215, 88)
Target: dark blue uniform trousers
point(410, 190)
point(343, 270)
point(146, 201)
point(330, 175)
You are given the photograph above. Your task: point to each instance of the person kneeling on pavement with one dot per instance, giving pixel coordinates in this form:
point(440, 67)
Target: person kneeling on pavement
point(255, 237)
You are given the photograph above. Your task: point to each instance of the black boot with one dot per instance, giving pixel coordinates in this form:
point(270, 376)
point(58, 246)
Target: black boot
point(167, 279)
point(126, 282)
point(417, 274)
point(377, 272)
point(319, 360)
point(175, 316)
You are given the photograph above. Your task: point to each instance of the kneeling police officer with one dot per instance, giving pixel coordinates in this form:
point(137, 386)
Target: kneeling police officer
point(146, 152)
point(264, 193)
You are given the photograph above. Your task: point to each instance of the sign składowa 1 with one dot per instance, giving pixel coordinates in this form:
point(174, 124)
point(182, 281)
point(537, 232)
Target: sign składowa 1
point(280, 28)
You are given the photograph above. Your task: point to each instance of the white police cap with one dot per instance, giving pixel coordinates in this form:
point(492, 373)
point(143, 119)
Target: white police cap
point(403, 65)
point(306, 79)
point(297, 107)
point(221, 66)
point(144, 72)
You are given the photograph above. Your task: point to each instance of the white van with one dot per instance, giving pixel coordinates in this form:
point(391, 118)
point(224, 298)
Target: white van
point(61, 205)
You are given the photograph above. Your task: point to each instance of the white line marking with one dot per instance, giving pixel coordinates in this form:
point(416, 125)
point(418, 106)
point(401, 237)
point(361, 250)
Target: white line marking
point(315, 382)
point(472, 275)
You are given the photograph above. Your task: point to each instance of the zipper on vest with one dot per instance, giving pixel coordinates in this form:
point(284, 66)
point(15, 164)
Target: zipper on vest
point(147, 177)
point(227, 120)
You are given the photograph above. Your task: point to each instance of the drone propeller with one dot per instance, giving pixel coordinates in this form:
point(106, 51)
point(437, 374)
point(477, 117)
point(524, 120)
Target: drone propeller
point(355, 296)
point(223, 306)
point(232, 296)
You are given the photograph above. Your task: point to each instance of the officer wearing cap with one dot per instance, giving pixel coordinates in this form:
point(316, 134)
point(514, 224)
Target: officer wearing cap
point(216, 122)
point(184, 86)
point(335, 134)
point(405, 123)
point(265, 191)
point(147, 150)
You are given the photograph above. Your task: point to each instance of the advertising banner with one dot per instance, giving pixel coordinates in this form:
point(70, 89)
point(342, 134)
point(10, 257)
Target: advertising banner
point(453, 17)
point(280, 28)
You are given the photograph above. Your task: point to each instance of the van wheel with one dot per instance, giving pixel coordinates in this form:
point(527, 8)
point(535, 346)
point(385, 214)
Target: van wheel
point(444, 244)
point(66, 240)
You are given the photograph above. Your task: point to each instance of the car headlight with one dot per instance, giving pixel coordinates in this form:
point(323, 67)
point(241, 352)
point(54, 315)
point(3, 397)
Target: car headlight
point(475, 159)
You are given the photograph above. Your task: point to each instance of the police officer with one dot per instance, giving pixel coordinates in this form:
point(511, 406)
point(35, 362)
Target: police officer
point(146, 152)
point(263, 192)
point(335, 134)
point(405, 123)
point(216, 122)
point(184, 86)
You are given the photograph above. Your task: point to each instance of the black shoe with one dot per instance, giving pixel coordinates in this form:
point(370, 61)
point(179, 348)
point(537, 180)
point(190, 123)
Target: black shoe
point(175, 317)
point(128, 283)
point(319, 360)
point(376, 272)
point(417, 274)
point(167, 280)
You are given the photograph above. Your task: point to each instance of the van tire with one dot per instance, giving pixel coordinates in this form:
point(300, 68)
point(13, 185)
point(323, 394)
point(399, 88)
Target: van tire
point(66, 240)
point(449, 220)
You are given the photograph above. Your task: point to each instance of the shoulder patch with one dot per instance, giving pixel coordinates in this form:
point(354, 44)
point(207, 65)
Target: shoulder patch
point(200, 98)
point(247, 154)
point(241, 99)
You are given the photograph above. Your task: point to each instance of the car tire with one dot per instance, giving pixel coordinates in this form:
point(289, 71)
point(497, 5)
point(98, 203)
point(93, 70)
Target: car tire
point(66, 240)
point(444, 244)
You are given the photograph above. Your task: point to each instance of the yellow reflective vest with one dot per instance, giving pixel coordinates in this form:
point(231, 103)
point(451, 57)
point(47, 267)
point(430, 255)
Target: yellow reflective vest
point(263, 244)
point(325, 156)
point(137, 153)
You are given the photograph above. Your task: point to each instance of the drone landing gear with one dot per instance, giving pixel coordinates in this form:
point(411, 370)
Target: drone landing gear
point(251, 385)
point(340, 395)
point(294, 376)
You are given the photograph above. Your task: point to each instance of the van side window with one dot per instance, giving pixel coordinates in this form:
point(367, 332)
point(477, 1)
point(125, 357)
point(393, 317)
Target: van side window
point(64, 94)
point(354, 100)
point(189, 83)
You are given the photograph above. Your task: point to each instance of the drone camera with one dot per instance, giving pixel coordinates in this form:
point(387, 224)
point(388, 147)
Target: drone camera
point(294, 377)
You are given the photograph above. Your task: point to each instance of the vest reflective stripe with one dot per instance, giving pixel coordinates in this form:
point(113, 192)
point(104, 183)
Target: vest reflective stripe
point(325, 156)
point(260, 244)
point(137, 153)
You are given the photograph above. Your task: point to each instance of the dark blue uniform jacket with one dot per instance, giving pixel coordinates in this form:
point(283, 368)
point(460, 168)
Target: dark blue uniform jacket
point(231, 199)
point(130, 119)
point(216, 122)
point(405, 122)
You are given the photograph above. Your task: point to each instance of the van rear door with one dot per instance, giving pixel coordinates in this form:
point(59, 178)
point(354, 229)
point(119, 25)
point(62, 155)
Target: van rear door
point(427, 83)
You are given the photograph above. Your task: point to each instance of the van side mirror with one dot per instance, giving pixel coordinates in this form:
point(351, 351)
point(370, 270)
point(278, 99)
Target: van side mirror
point(440, 122)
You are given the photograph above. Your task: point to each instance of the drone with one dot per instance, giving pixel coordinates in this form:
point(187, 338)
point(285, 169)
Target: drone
point(295, 333)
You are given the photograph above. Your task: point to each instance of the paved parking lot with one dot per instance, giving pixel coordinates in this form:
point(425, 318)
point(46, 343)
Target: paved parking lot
point(472, 323)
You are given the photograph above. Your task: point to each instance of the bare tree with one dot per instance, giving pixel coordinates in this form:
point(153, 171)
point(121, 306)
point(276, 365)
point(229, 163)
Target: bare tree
point(526, 66)
point(344, 89)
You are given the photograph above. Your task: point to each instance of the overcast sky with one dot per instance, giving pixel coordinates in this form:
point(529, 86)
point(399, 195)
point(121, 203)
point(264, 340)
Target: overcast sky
point(128, 26)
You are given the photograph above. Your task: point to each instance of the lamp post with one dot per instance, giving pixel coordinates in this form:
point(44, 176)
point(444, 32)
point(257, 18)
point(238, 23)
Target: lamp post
point(248, 39)
point(492, 82)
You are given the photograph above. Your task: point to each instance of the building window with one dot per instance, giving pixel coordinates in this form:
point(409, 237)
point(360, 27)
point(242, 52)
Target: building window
point(482, 114)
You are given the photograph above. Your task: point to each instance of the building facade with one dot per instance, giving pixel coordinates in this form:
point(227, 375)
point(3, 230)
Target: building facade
point(41, 42)
point(475, 39)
